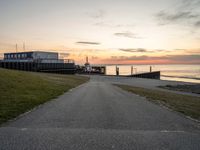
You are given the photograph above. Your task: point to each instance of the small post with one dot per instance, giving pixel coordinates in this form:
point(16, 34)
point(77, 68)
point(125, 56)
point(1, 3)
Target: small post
point(150, 68)
point(131, 70)
point(117, 70)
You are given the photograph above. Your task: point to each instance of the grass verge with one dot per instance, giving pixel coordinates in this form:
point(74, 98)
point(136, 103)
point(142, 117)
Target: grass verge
point(195, 88)
point(22, 91)
point(188, 105)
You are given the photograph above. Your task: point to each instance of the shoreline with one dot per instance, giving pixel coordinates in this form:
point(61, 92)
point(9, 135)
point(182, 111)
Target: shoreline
point(177, 72)
point(180, 77)
point(162, 78)
point(150, 83)
point(168, 78)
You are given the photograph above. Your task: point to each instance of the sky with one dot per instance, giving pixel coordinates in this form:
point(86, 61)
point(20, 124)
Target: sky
point(107, 31)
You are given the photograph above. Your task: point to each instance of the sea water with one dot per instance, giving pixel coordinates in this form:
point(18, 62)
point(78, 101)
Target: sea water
point(185, 73)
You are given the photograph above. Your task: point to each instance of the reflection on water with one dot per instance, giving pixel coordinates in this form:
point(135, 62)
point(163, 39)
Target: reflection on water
point(186, 73)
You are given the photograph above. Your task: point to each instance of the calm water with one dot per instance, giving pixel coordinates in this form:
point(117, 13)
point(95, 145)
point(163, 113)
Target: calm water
point(186, 73)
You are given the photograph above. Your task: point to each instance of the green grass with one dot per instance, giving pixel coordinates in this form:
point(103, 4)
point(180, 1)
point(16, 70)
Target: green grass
point(194, 88)
point(188, 105)
point(22, 91)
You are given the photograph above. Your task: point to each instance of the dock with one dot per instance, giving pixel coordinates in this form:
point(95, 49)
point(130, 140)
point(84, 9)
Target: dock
point(149, 75)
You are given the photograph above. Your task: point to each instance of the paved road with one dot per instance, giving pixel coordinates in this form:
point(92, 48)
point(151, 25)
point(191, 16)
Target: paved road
point(100, 116)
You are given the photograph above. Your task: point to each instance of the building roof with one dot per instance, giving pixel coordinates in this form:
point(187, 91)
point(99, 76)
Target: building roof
point(31, 52)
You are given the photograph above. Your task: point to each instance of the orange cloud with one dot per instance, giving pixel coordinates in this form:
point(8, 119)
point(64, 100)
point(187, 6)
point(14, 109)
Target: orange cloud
point(168, 59)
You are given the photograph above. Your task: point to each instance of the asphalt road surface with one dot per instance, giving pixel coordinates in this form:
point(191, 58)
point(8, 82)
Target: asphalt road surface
point(100, 116)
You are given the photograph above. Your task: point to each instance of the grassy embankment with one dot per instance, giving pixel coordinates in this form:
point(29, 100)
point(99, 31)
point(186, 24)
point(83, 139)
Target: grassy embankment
point(188, 105)
point(22, 91)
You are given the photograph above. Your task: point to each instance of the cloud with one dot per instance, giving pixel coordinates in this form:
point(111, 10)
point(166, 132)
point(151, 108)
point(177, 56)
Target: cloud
point(88, 43)
point(133, 50)
point(167, 18)
point(127, 34)
point(190, 4)
point(124, 58)
point(180, 49)
point(142, 50)
point(112, 25)
point(197, 24)
point(193, 51)
point(183, 58)
point(99, 14)
point(186, 59)
point(185, 13)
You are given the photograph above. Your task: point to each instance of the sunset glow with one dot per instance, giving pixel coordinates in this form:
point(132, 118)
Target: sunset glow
point(107, 31)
